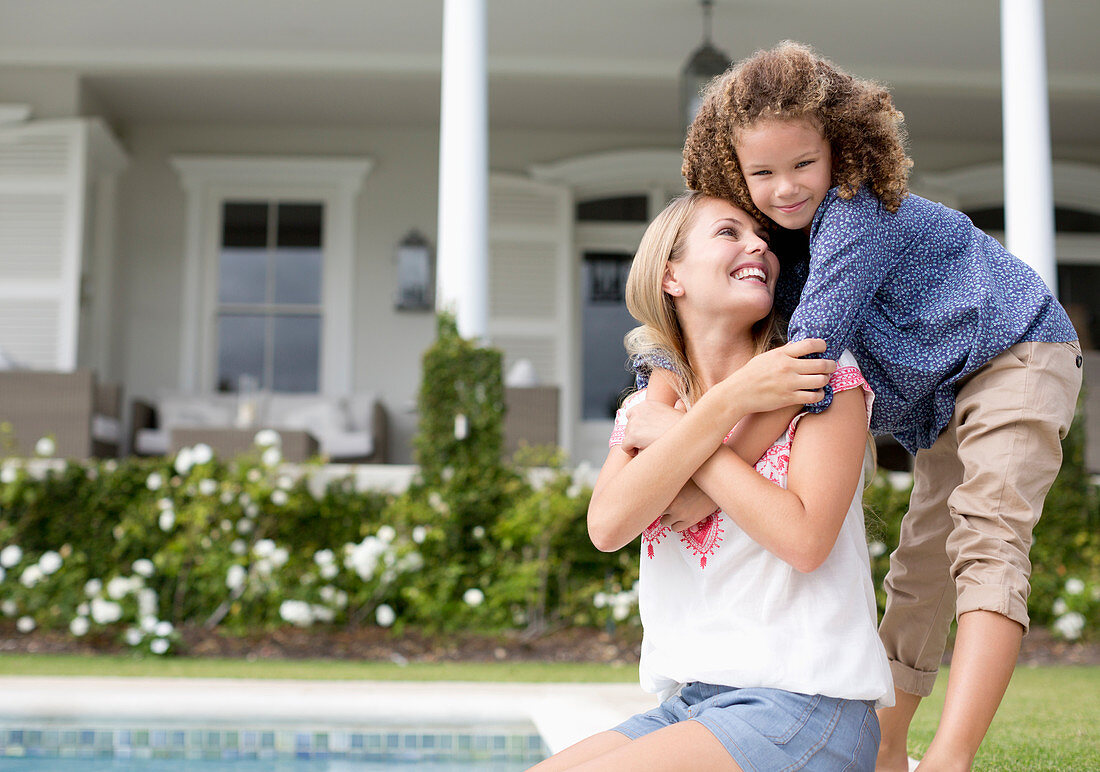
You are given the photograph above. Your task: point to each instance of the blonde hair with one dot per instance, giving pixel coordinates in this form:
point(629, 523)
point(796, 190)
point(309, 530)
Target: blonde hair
point(660, 334)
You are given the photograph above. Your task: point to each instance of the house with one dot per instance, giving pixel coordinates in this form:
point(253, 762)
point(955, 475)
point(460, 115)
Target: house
point(196, 196)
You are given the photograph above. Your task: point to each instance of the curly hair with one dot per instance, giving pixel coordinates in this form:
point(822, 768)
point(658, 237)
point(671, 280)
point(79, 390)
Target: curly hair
point(791, 82)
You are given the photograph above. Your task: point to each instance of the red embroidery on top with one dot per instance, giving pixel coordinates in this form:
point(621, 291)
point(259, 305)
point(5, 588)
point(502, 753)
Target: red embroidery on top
point(846, 377)
point(653, 534)
point(705, 537)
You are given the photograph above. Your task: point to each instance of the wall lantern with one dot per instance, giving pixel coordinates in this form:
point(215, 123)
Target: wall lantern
point(702, 66)
point(415, 274)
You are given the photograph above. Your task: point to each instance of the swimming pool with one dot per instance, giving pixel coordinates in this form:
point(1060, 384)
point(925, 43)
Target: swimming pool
point(157, 747)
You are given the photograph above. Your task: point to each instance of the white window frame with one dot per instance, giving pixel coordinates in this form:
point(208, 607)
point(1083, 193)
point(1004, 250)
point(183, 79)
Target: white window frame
point(209, 181)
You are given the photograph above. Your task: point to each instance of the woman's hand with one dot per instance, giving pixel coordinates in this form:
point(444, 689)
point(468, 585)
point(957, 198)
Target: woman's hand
point(781, 377)
point(647, 421)
point(689, 507)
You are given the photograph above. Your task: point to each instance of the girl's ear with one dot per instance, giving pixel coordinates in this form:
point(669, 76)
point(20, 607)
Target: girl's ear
point(669, 283)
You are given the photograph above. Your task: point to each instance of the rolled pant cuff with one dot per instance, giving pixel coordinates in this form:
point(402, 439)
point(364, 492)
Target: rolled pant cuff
point(912, 681)
point(1004, 600)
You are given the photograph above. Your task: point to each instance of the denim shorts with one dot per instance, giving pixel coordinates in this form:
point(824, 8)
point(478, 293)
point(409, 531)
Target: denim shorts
point(772, 730)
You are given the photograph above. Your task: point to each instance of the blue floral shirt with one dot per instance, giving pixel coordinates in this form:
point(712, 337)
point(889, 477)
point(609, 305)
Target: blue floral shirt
point(920, 297)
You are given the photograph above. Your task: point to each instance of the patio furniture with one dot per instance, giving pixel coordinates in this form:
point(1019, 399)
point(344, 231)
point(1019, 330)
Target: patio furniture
point(347, 429)
point(79, 413)
point(297, 445)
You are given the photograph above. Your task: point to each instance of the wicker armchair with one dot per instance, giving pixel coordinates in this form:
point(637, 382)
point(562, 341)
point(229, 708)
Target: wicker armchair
point(80, 414)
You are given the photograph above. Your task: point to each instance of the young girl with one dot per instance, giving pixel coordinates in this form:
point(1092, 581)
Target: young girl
point(974, 365)
point(759, 622)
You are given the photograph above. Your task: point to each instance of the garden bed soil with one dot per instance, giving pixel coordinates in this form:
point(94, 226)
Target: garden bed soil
point(377, 644)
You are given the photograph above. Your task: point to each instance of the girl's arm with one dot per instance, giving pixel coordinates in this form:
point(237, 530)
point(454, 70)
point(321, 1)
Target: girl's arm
point(632, 492)
point(798, 524)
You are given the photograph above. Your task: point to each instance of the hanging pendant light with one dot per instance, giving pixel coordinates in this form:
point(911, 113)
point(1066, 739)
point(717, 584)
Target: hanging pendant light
point(705, 63)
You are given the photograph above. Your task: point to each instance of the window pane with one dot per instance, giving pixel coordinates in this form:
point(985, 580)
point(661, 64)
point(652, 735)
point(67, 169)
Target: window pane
point(298, 276)
point(1079, 291)
point(604, 321)
point(297, 353)
point(240, 349)
point(244, 224)
point(242, 276)
point(618, 209)
point(299, 225)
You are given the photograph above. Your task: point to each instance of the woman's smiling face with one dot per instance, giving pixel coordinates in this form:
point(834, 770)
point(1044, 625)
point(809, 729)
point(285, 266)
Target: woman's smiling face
point(725, 258)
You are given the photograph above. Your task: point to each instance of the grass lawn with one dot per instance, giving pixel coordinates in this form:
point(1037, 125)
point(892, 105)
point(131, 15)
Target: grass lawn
point(1048, 721)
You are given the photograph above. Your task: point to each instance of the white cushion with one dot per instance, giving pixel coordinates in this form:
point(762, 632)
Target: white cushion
point(106, 429)
point(347, 445)
point(151, 442)
point(320, 416)
point(361, 412)
point(192, 410)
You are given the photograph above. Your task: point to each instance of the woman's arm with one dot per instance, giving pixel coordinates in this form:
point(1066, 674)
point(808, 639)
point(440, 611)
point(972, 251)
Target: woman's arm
point(798, 524)
point(631, 492)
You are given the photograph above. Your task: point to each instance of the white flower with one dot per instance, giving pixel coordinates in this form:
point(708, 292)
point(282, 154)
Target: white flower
point(134, 637)
point(10, 555)
point(148, 623)
point(31, 576)
point(25, 624)
point(83, 610)
point(163, 629)
point(436, 502)
point(271, 457)
point(110, 465)
point(253, 509)
point(1059, 607)
point(599, 600)
point(329, 571)
point(473, 597)
point(254, 475)
point(45, 447)
point(620, 611)
point(235, 576)
point(9, 608)
point(478, 532)
point(164, 504)
point(384, 616)
point(263, 567)
point(147, 601)
point(264, 548)
point(227, 497)
point(166, 520)
point(387, 533)
point(1070, 625)
point(323, 557)
point(185, 459)
point(278, 497)
point(154, 481)
point(876, 548)
point(900, 481)
point(238, 547)
point(8, 474)
point(1074, 586)
point(574, 490)
point(208, 487)
point(297, 612)
point(340, 599)
point(159, 646)
point(419, 534)
point(144, 567)
point(92, 587)
point(49, 562)
point(279, 557)
point(244, 526)
point(79, 626)
point(202, 454)
point(104, 612)
point(121, 586)
point(363, 557)
point(285, 482)
point(322, 613)
point(225, 525)
point(266, 438)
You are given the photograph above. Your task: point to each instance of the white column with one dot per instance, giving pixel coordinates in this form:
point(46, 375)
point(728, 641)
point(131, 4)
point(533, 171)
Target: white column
point(1029, 200)
point(463, 257)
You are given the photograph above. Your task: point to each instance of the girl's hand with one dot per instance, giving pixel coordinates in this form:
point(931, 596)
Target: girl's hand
point(647, 421)
point(690, 506)
point(781, 377)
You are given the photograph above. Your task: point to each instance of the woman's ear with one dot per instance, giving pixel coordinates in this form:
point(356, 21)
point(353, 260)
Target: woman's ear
point(669, 283)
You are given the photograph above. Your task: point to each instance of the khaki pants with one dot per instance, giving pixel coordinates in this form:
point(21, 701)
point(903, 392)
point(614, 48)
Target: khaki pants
point(977, 494)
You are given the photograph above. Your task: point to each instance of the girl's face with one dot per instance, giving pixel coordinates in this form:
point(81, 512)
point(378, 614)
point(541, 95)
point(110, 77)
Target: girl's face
point(725, 263)
point(788, 168)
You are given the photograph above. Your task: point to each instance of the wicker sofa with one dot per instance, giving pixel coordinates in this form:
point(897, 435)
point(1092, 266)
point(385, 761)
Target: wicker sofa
point(351, 429)
point(81, 414)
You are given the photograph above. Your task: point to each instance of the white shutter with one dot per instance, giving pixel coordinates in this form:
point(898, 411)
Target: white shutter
point(41, 226)
point(529, 268)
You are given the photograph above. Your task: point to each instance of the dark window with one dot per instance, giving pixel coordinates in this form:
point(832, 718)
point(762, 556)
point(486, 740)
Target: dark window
point(618, 209)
